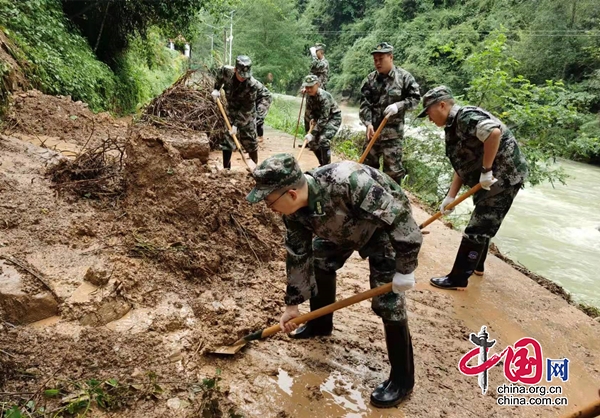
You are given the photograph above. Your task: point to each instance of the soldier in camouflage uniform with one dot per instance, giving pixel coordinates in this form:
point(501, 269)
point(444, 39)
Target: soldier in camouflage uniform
point(322, 109)
point(248, 102)
point(319, 65)
point(346, 207)
point(392, 91)
point(482, 150)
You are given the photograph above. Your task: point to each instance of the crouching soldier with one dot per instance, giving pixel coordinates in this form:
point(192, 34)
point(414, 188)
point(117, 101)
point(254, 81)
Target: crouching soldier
point(329, 213)
point(326, 116)
point(248, 102)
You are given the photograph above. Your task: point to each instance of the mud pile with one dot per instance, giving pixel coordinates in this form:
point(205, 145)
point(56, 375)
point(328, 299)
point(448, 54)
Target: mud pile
point(59, 118)
point(190, 219)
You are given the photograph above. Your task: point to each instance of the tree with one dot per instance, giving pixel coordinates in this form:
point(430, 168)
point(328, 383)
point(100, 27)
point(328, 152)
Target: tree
point(269, 32)
point(109, 24)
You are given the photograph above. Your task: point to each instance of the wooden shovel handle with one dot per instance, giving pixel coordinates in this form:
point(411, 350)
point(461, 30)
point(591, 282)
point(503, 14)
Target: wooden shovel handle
point(312, 125)
point(590, 411)
point(237, 143)
point(456, 202)
point(372, 141)
point(298, 123)
point(386, 288)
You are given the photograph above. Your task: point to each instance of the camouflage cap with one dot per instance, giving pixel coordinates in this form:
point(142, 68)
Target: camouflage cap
point(383, 48)
point(433, 96)
point(243, 64)
point(274, 173)
point(310, 80)
point(320, 47)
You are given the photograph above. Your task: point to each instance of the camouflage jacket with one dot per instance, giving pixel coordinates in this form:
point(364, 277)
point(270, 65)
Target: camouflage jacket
point(320, 68)
point(246, 100)
point(466, 130)
point(348, 202)
point(380, 91)
point(321, 108)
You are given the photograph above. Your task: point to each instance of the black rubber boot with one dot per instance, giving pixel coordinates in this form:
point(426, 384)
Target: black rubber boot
point(481, 263)
point(254, 156)
point(227, 158)
point(317, 153)
point(402, 375)
point(464, 265)
point(325, 155)
point(323, 325)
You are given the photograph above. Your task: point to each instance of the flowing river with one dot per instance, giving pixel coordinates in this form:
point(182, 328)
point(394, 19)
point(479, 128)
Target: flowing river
point(553, 231)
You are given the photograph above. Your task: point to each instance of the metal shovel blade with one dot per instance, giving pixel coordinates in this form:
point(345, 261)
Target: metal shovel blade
point(229, 349)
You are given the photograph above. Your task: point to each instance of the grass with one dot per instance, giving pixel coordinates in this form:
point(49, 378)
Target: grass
point(283, 116)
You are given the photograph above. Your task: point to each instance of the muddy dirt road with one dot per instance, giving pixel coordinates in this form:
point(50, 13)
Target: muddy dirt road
point(145, 286)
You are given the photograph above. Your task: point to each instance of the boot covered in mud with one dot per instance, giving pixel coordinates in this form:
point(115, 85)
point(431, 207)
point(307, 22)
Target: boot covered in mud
point(467, 257)
point(253, 156)
point(402, 375)
point(323, 325)
point(227, 159)
point(479, 270)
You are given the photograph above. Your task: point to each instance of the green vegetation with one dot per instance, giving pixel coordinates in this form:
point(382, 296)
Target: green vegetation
point(533, 63)
point(80, 398)
point(283, 115)
point(58, 60)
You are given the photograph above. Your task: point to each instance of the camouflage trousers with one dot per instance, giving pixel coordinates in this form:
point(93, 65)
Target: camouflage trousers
point(330, 257)
point(246, 135)
point(490, 210)
point(391, 151)
point(323, 139)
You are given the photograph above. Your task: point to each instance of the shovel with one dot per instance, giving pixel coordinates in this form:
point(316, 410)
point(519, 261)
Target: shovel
point(590, 411)
point(298, 123)
point(386, 288)
point(312, 125)
point(267, 332)
point(373, 139)
point(249, 164)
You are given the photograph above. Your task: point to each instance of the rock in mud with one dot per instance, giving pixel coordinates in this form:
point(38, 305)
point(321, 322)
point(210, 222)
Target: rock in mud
point(194, 146)
point(97, 275)
point(107, 312)
point(22, 306)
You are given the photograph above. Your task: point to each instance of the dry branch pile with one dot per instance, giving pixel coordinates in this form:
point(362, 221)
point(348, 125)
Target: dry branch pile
point(96, 171)
point(188, 105)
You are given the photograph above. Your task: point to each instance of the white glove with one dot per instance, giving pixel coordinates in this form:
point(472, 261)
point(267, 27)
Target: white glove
point(233, 130)
point(403, 282)
point(486, 180)
point(391, 110)
point(215, 94)
point(313, 52)
point(447, 200)
point(309, 138)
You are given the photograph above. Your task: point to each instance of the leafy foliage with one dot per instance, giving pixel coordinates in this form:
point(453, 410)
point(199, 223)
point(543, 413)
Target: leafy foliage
point(109, 26)
point(60, 62)
point(269, 32)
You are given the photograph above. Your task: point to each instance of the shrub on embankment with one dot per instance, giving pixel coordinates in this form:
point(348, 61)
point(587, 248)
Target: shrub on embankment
point(57, 59)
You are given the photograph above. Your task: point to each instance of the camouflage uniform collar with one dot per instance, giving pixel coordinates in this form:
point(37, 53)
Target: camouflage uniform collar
point(452, 115)
point(315, 197)
point(391, 74)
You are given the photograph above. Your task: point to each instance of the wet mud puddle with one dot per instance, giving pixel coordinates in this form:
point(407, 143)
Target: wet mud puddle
point(325, 395)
